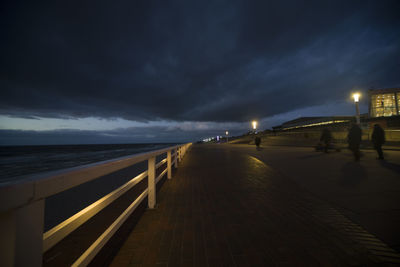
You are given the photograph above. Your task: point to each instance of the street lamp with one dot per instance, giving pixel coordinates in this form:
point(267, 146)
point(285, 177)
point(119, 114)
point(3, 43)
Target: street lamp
point(227, 138)
point(356, 97)
point(254, 124)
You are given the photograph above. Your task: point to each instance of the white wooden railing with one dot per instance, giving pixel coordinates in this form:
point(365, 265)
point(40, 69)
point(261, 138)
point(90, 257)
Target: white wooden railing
point(22, 241)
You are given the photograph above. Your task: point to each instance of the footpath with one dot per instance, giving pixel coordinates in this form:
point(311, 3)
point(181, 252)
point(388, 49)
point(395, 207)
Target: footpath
point(367, 192)
point(231, 205)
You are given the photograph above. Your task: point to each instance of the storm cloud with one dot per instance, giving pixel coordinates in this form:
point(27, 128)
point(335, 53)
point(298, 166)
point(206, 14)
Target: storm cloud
point(212, 61)
point(184, 132)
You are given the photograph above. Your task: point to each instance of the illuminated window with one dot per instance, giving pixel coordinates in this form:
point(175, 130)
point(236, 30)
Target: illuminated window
point(383, 105)
point(398, 103)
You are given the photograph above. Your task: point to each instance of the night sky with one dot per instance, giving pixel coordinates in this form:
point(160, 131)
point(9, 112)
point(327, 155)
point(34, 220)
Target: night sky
point(176, 71)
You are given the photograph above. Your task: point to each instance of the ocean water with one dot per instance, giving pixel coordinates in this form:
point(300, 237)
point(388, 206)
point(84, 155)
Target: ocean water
point(17, 162)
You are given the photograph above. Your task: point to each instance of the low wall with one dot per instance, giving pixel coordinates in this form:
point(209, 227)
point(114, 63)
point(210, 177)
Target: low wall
point(311, 138)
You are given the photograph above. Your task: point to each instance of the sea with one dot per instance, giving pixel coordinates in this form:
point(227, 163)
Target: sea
point(18, 162)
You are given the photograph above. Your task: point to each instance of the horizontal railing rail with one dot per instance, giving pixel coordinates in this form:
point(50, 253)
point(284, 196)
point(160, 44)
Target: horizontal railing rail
point(22, 206)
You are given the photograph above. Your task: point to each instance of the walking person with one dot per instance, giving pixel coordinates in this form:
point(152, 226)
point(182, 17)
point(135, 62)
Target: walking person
point(326, 138)
point(378, 139)
point(257, 141)
point(354, 140)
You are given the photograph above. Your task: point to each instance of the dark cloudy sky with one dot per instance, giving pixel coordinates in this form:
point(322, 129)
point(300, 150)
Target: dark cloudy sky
point(153, 71)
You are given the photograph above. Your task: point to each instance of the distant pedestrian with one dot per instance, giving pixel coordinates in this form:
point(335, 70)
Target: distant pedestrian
point(326, 138)
point(378, 139)
point(257, 140)
point(354, 139)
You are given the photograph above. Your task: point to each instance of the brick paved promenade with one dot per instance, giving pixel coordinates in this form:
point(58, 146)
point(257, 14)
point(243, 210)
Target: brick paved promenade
point(226, 207)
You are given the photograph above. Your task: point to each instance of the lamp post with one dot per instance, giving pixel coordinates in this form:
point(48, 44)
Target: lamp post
point(356, 97)
point(227, 138)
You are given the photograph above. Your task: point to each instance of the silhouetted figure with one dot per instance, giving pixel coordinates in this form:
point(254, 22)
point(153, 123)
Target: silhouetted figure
point(326, 138)
point(257, 141)
point(378, 139)
point(354, 139)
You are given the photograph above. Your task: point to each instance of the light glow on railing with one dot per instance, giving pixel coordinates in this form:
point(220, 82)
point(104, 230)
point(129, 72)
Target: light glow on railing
point(30, 196)
point(161, 175)
point(60, 231)
point(57, 233)
point(91, 252)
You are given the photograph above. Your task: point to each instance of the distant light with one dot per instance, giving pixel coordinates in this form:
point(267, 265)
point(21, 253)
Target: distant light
point(356, 97)
point(217, 138)
point(254, 125)
point(226, 132)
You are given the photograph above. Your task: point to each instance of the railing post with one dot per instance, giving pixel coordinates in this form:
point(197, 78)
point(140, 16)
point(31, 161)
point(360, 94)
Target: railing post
point(169, 163)
point(151, 182)
point(7, 240)
point(21, 231)
point(179, 154)
point(176, 158)
point(29, 236)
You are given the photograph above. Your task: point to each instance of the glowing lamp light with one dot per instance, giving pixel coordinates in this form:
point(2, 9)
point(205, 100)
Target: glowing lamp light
point(254, 125)
point(356, 97)
point(226, 132)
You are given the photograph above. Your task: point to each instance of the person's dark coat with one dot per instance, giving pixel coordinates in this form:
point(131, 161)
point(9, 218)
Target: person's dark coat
point(378, 139)
point(354, 137)
point(378, 136)
point(258, 141)
point(326, 136)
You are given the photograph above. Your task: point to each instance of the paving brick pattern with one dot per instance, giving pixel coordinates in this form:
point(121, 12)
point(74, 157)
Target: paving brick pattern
point(225, 208)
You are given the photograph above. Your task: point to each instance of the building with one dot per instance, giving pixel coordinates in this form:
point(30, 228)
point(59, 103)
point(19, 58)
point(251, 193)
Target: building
point(384, 109)
point(315, 122)
point(384, 102)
